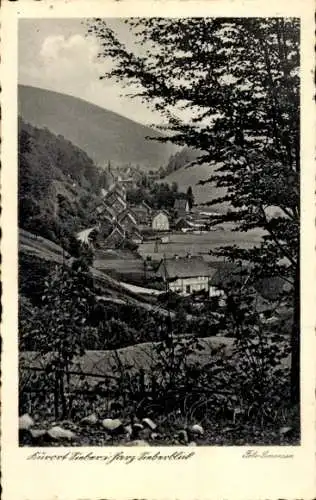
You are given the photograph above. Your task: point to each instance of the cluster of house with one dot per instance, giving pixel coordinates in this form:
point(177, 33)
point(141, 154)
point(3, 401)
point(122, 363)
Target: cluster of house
point(118, 221)
point(191, 221)
point(129, 176)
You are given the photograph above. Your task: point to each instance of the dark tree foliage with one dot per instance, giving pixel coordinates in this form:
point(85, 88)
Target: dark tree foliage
point(159, 195)
point(239, 78)
point(180, 159)
point(190, 197)
point(54, 176)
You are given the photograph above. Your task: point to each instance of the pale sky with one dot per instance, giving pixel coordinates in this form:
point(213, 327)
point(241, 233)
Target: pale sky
point(55, 55)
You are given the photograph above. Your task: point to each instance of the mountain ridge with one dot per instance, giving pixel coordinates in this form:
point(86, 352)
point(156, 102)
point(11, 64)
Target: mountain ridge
point(103, 134)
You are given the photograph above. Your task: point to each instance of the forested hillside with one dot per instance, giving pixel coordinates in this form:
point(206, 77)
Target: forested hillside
point(57, 183)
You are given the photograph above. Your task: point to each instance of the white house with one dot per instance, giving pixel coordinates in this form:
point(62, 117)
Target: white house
point(160, 222)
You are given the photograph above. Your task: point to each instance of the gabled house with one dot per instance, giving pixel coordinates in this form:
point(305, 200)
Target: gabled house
point(184, 275)
point(181, 207)
point(127, 219)
point(105, 211)
point(160, 221)
point(116, 202)
point(120, 190)
point(134, 235)
point(116, 238)
point(185, 225)
point(140, 214)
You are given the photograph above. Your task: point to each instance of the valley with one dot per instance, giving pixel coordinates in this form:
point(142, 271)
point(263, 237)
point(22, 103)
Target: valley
point(124, 310)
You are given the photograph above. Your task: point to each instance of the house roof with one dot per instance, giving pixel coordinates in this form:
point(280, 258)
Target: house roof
point(127, 213)
point(116, 230)
point(109, 211)
point(148, 207)
point(183, 267)
point(113, 197)
point(182, 220)
point(134, 233)
point(180, 203)
point(106, 218)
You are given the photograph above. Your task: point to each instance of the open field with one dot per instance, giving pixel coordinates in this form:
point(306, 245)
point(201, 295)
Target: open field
point(200, 244)
point(45, 250)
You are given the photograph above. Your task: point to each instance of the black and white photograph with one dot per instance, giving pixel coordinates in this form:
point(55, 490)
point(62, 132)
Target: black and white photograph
point(159, 231)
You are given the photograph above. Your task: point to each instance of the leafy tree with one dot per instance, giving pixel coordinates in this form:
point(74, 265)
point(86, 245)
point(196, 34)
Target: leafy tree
point(57, 327)
point(240, 79)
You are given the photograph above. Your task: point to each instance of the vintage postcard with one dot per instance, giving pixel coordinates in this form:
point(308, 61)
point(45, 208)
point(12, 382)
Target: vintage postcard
point(158, 250)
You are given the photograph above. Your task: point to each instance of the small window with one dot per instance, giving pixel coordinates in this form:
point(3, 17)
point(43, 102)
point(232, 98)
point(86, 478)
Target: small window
point(188, 289)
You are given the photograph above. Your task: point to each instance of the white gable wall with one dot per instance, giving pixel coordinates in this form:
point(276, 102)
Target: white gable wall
point(160, 222)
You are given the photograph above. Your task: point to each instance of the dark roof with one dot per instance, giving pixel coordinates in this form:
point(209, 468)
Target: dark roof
point(116, 230)
point(183, 221)
point(115, 196)
point(183, 267)
point(148, 207)
point(127, 213)
point(108, 210)
point(180, 203)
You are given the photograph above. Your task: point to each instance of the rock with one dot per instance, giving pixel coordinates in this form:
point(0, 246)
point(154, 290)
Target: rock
point(89, 420)
point(112, 425)
point(57, 433)
point(183, 436)
point(38, 433)
point(138, 426)
point(138, 442)
point(284, 431)
point(149, 423)
point(197, 429)
point(25, 422)
point(128, 429)
point(192, 443)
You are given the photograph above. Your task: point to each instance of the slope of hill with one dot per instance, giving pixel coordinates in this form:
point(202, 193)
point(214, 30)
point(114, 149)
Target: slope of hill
point(190, 176)
point(57, 183)
point(45, 254)
point(102, 134)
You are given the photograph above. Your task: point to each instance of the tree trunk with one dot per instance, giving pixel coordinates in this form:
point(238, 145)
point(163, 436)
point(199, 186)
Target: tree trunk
point(295, 342)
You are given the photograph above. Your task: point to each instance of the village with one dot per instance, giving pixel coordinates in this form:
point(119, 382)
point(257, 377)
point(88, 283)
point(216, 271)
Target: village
point(124, 229)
